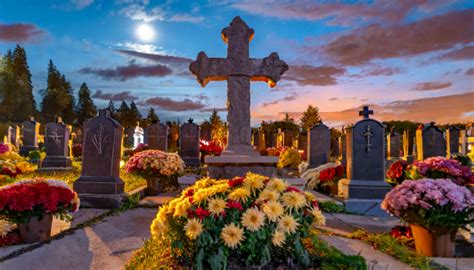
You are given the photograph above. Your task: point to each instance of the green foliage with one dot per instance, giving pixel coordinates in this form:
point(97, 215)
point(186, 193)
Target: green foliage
point(152, 117)
point(85, 107)
point(310, 118)
point(34, 155)
point(398, 248)
point(464, 160)
point(330, 207)
point(401, 126)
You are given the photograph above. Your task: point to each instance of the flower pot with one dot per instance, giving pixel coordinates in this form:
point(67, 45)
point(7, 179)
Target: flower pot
point(36, 230)
point(431, 245)
point(154, 185)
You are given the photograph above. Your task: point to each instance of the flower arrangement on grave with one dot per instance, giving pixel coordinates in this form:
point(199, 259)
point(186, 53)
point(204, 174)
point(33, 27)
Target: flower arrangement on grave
point(8, 236)
point(289, 158)
point(6, 153)
point(31, 204)
point(76, 150)
point(245, 221)
point(434, 208)
point(441, 168)
point(159, 168)
point(274, 151)
point(324, 178)
point(396, 174)
point(4, 148)
point(211, 148)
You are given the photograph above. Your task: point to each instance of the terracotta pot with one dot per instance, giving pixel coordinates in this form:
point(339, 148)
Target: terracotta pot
point(154, 185)
point(431, 245)
point(36, 230)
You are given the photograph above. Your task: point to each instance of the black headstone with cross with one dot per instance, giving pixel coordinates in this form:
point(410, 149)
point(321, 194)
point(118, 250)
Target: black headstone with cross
point(56, 141)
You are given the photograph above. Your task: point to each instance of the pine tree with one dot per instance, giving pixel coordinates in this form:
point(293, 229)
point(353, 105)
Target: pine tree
point(152, 117)
point(8, 86)
point(135, 115)
point(112, 110)
point(85, 107)
point(218, 130)
point(310, 118)
point(26, 104)
point(123, 115)
point(288, 119)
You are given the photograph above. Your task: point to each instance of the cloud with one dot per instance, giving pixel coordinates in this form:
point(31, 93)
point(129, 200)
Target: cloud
point(20, 32)
point(168, 104)
point(377, 71)
point(138, 13)
point(311, 75)
point(125, 95)
point(380, 42)
point(338, 13)
point(159, 58)
point(470, 72)
point(130, 71)
point(430, 86)
point(216, 109)
point(80, 4)
point(183, 17)
point(290, 97)
point(465, 53)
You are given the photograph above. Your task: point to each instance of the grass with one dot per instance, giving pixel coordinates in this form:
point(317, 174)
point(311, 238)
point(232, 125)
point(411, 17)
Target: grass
point(399, 249)
point(156, 255)
point(330, 207)
point(131, 181)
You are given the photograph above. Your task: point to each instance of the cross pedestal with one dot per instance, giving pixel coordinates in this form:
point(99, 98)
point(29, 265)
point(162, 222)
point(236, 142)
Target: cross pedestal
point(238, 70)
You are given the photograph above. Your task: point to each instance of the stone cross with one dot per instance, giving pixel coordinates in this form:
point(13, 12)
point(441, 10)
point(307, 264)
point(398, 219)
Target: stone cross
point(365, 112)
point(238, 69)
point(368, 134)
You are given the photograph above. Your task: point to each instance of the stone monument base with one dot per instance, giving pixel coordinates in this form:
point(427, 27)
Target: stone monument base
point(24, 150)
point(56, 163)
point(191, 161)
point(226, 167)
point(100, 192)
point(365, 207)
point(364, 196)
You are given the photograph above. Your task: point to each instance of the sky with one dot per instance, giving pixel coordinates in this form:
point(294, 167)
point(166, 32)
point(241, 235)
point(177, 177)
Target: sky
point(408, 59)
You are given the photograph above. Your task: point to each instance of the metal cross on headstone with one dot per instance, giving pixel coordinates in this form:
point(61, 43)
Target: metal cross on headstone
point(368, 134)
point(238, 69)
point(55, 137)
point(365, 112)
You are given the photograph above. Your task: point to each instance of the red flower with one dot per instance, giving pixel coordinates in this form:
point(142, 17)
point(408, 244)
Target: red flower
point(315, 203)
point(397, 170)
point(189, 193)
point(327, 175)
point(235, 205)
point(340, 171)
point(294, 189)
point(401, 231)
point(202, 213)
point(235, 182)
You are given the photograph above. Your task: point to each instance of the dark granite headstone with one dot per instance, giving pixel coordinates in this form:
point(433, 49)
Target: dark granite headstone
point(156, 136)
point(206, 132)
point(303, 141)
point(452, 139)
point(56, 141)
point(30, 133)
point(288, 138)
point(5, 133)
point(255, 140)
point(189, 143)
point(15, 135)
point(430, 142)
point(99, 185)
point(271, 141)
point(393, 145)
point(365, 185)
point(463, 142)
point(319, 144)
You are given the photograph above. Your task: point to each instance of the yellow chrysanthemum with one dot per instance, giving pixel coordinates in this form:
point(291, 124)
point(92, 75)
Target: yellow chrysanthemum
point(193, 228)
point(277, 184)
point(158, 228)
point(253, 219)
point(6, 227)
point(240, 194)
point(273, 210)
point(254, 181)
point(268, 195)
point(232, 235)
point(181, 208)
point(293, 200)
point(288, 224)
point(309, 196)
point(278, 238)
point(216, 206)
point(319, 218)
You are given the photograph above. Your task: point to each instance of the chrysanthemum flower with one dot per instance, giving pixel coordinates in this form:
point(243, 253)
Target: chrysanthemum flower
point(193, 228)
point(268, 195)
point(278, 238)
point(158, 228)
point(232, 235)
point(277, 184)
point(319, 218)
point(273, 210)
point(293, 200)
point(254, 181)
point(253, 219)
point(288, 224)
point(216, 206)
point(240, 194)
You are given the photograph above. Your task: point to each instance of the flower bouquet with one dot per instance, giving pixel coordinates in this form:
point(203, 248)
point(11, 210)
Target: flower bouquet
point(396, 174)
point(77, 150)
point(211, 148)
point(435, 209)
point(8, 236)
point(160, 169)
point(31, 204)
point(244, 222)
point(289, 158)
point(324, 178)
point(441, 168)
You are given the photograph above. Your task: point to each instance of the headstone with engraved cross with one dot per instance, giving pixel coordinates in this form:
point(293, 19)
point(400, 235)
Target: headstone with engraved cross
point(365, 186)
point(99, 185)
point(319, 145)
point(452, 141)
point(238, 70)
point(430, 142)
point(189, 143)
point(156, 136)
point(56, 141)
point(30, 133)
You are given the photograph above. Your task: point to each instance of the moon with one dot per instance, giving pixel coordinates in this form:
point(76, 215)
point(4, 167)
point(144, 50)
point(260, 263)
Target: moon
point(145, 32)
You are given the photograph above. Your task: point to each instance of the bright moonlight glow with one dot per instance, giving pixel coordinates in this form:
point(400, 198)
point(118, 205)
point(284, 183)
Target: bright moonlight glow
point(145, 32)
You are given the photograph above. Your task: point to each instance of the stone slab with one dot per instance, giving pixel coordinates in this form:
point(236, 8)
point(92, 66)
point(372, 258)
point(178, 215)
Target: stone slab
point(324, 198)
point(349, 223)
point(456, 263)
point(241, 159)
point(159, 199)
point(365, 207)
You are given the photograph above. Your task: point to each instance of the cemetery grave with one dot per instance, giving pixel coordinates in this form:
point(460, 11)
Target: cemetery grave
point(115, 193)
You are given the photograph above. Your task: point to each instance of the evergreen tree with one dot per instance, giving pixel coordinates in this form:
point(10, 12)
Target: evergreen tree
point(123, 115)
point(218, 130)
point(85, 108)
point(135, 115)
point(310, 117)
point(288, 119)
point(152, 117)
point(112, 110)
point(8, 86)
point(26, 104)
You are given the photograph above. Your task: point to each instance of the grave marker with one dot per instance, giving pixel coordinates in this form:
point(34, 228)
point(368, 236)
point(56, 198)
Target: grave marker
point(30, 134)
point(430, 142)
point(56, 142)
point(319, 144)
point(189, 143)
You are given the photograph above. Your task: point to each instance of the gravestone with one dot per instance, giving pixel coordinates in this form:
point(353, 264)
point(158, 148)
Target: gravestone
point(206, 132)
point(56, 142)
point(279, 138)
point(303, 143)
point(99, 185)
point(261, 139)
point(15, 136)
point(5, 133)
point(156, 136)
point(288, 138)
point(463, 142)
point(319, 144)
point(189, 143)
point(342, 146)
point(393, 145)
point(430, 142)
point(408, 146)
point(128, 137)
point(271, 142)
point(365, 186)
point(30, 133)
point(256, 140)
point(452, 139)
